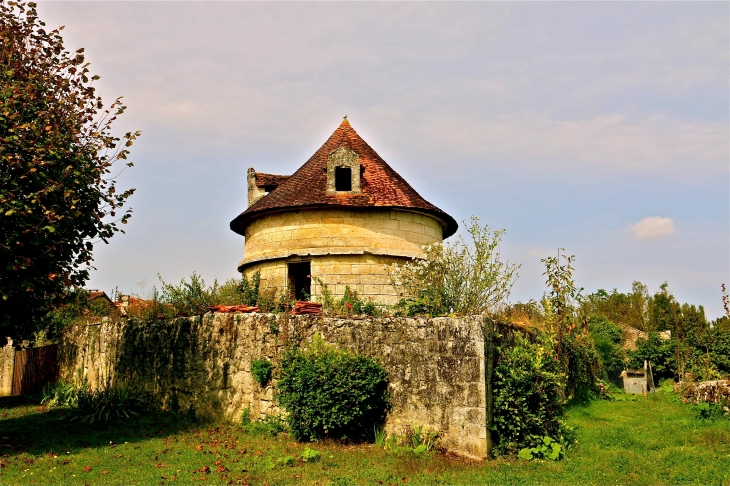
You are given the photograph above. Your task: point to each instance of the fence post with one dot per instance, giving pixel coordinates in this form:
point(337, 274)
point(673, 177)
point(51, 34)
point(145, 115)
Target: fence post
point(7, 366)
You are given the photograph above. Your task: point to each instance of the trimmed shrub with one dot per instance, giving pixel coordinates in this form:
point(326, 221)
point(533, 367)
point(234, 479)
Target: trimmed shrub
point(332, 393)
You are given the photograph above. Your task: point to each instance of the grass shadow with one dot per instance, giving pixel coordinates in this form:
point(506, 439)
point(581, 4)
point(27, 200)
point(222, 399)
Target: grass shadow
point(26, 427)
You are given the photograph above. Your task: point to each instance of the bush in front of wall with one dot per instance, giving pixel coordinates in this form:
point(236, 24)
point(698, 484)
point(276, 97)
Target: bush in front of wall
point(332, 393)
point(59, 395)
point(582, 364)
point(528, 399)
point(87, 406)
point(261, 370)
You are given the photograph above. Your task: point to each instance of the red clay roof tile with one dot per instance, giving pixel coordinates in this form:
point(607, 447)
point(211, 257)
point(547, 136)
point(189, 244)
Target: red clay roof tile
point(306, 188)
point(269, 180)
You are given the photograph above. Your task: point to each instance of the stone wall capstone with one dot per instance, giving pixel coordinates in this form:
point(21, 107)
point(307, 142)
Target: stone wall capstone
point(202, 365)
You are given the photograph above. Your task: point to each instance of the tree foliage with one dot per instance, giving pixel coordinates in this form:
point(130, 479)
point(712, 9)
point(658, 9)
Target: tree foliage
point(462, 277)
point(57, 193)
point(563, 297)
point(529, 384)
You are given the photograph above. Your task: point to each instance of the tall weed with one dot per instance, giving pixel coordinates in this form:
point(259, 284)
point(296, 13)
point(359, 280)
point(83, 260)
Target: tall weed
point(462, 278)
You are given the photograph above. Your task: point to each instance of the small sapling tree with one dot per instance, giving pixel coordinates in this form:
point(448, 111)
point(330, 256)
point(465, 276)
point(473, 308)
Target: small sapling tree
point(462, 278)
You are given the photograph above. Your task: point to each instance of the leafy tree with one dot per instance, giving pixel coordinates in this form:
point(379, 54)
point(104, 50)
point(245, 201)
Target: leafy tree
point(639, 299)
point(462, 277)
point(664, 310)
point(562, 301)
point(624, 309)
point(57, 194)
point(660, 352)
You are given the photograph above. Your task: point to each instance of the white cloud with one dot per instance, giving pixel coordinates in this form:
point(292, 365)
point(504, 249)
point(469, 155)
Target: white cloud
point(653, 227)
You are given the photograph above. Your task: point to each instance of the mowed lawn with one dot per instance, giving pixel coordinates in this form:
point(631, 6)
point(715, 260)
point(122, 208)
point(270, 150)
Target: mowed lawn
point(654, 441)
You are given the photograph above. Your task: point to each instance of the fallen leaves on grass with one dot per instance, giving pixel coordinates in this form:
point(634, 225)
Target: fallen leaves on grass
point(87, 468)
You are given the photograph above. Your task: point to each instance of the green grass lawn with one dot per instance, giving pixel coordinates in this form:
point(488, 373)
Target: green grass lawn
point(654, 441)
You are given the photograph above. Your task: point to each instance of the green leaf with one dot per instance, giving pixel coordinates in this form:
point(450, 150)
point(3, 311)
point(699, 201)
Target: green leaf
point(525, 453)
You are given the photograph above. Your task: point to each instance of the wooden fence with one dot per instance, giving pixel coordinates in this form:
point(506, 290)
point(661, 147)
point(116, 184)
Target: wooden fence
point(34, 368)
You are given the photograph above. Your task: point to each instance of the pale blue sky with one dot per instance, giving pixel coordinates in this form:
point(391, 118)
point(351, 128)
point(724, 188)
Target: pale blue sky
point(567, 124)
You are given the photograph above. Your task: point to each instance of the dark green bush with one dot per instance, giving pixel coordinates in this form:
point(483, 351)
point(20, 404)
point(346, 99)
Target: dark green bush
point(250, 290)
point(261, 370)
point(528, 394)
point(582, 365)
point(601, 327)
point(660, 352)
point(710, 411)
point(332, 393)
point(607, 337)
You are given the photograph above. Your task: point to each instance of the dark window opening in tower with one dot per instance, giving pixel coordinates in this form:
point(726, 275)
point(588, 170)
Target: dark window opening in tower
point(300, 280)
point(343, 179)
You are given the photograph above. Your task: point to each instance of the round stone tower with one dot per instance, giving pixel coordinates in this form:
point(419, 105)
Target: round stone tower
point(341, 218)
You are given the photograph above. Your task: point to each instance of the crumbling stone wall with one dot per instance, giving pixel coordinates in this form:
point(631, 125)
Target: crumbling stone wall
point(438, 373)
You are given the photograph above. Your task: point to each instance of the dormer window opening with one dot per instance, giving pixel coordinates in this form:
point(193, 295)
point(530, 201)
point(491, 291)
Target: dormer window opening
point(343, 172)
point(343, 179)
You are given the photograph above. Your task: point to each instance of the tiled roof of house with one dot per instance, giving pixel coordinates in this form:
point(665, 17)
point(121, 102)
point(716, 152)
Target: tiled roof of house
point(269, 180)
point(306, 188)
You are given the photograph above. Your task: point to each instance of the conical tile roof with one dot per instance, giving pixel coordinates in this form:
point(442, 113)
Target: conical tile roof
point(382, 187)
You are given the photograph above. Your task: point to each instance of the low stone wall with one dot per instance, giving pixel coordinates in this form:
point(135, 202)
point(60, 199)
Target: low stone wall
point(438, 373)
point(715, 391)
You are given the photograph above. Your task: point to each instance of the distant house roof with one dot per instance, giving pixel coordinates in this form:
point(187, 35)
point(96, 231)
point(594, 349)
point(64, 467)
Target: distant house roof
point(98, 294)
point(306, 188)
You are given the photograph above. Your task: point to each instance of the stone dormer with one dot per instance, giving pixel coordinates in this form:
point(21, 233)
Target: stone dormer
point(343, 172)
